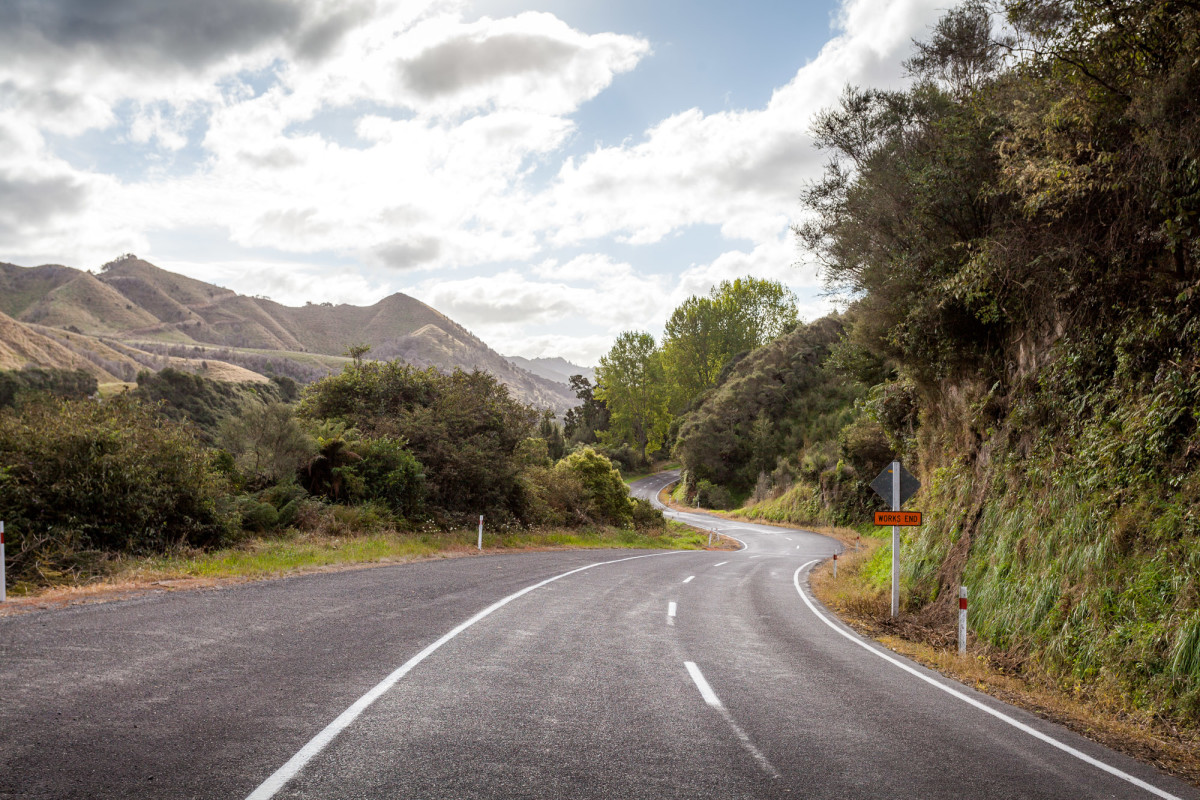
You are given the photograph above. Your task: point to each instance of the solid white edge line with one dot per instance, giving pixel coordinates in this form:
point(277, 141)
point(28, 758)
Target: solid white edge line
point(281, 776)
point(706, 691)
point(1021, 726)
point(689, 578)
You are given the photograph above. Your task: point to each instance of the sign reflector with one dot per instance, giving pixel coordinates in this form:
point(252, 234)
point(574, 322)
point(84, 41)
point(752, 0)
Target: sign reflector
point(897, 517)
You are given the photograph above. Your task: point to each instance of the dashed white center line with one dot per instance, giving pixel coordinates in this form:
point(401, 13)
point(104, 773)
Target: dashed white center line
point(671, 613)
point(719, 563)
point(711, 698)
point(689, 578)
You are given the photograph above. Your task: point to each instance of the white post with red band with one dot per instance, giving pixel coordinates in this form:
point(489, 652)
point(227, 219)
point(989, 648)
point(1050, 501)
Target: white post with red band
point(835, 565)
point(480, 545)
point(962, 620)
point(3, 588)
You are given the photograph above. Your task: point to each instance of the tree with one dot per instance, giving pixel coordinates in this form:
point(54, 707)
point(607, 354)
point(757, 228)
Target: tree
point(266, 442)
point(693, 350)
point(585, 421)
point(630, 382)
point(463, 428)
point(705, 333)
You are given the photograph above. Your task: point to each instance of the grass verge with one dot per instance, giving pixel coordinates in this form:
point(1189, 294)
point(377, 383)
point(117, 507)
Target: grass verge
point(265, 558)
point(867, 609)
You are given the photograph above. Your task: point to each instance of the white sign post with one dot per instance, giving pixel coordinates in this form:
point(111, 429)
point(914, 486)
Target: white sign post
point(895, 540)
point(895, 485)
point(3, 586)
point(480, 545)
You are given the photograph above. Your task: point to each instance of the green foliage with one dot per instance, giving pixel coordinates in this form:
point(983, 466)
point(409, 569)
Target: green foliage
point(1020, 236)
point(17, 385)
point(266, 442)
point(777, 402)
point(705, 333)
point(463, 428)
point(606, 497)
point(630, 382)
point(392, 475)
point(82, 476)
point(202, 401)
point(583, 423)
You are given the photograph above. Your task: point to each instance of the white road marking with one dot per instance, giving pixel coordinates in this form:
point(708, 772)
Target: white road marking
point(689, 578)
point(281, 776)
point(671, 613)
point(788, 538)
point(1021, 726)
point(720, 563)
point(711, 698)
point(798, 547)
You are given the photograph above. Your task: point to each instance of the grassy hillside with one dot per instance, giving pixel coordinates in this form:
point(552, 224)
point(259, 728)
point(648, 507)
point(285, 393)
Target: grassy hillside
point(134, 301)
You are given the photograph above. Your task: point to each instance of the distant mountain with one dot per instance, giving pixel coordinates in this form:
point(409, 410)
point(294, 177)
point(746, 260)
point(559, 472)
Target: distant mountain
point(553, 369)
point(134, 305)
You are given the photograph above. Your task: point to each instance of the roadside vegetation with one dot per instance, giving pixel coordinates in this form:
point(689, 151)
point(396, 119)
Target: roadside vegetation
point(1017, 237)
point(183, 475)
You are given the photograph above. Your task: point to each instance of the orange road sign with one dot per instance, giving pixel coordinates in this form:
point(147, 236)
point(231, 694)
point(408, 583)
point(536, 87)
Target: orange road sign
point(897, 517)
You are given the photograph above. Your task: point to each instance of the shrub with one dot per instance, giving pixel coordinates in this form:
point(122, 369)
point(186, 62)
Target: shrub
point(266, 442)
point(112, 476)
point(17, 385)
point(392, 475)
point(607, 496)
point(646, 516)
point(711, 495)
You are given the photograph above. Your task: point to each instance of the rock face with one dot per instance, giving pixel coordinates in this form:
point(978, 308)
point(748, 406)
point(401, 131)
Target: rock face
point(133, 302)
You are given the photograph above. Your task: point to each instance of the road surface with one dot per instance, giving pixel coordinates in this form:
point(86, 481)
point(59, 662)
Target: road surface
point(579, 674)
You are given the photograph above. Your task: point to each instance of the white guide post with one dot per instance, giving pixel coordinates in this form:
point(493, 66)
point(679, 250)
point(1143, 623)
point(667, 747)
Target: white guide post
point(835, 565)
point(895, 540)
point(3, 586)
point(480, 545)
point(962, 620)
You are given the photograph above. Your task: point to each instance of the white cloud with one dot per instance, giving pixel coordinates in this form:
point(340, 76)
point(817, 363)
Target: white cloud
point(439, 125)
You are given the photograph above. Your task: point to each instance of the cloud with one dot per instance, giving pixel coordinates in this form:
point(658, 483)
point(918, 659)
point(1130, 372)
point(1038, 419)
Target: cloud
point(400, 136)
point(405, 254)
point(28, 203)
point(460, 63)
point(529, 61)
point(174, 36)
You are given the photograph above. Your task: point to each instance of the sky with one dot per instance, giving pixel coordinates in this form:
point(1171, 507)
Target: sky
point(548, 173)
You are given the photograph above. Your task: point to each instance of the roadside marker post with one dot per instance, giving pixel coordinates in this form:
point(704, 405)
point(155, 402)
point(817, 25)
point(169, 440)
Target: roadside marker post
point(895, 540)
point(3, 584)
point(835, 565)
point(962, 621)
point(480, 545)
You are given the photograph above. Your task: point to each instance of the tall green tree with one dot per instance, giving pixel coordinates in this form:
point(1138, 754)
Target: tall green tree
point(630, 382)
point(705, 333)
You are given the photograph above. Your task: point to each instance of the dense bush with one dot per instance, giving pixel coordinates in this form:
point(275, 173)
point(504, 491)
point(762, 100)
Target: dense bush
point(605, 495)
point(16, 385)
point(202, 401)
point(115, 477)
point(463, 428)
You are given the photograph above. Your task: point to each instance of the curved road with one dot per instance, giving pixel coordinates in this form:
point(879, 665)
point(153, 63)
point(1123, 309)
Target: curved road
point(605, 674)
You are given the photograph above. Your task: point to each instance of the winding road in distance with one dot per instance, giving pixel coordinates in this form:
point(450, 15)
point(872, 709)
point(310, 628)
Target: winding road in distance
point(576, 674)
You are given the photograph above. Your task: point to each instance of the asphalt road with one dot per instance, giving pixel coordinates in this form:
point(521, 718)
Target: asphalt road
point(636, 675)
